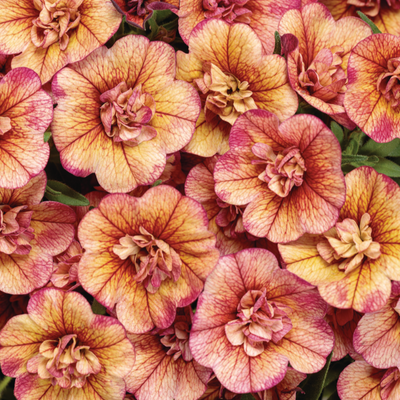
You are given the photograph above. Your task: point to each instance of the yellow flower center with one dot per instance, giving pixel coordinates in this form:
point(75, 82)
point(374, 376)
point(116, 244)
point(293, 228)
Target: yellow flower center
point(56, 19)
point(348, 243)
point(5, 125)
point(154, 260)
point(258, 322)
point(389, 83)
point(226, 95)
point(228, 10)
point(126, 113)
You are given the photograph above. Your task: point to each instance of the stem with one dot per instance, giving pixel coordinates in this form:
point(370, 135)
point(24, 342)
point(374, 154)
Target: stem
point(4, 383)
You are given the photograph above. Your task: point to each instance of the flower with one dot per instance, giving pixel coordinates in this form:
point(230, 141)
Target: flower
point(227, 65)
point(373, 97)
point(261, 15)
point(31, 233)
point(289, 173)
point(53, 33)
point(25, 113)
point(354, 263)
point(253, 319)
point(60, 349)
point(164, 367)
point(318, 50)
point(130, 120)
point(146, 256)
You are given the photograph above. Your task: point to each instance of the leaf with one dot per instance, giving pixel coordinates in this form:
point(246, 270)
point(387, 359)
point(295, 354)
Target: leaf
point(374, 28)
point(316, 383)
point(98, 308)
point(156, 183)
point(371, 162)
point(47, 136)
point(247, 396)
point(57, 191)
point(278, 44)
point(356, 139)
point(381, 149)
point(349, 159)
point(388, 168)
point(337, 131)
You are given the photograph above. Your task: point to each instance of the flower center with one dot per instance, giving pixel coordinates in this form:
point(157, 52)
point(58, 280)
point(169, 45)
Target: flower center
point(348, 243)
point(389, 383)
point(65, 270)
point(368, 7)
point(230, 218)
point(324, 78)
point(154, 260)
point(258, 322)
point(177, 339)
point(137, 7)
point(56, 19)
point(65, 362)
point(389, 83)
point(283, 171)
point(15, 230)
point(5, 125)
point(229, 10)
point(226, 95)
point(125, 114)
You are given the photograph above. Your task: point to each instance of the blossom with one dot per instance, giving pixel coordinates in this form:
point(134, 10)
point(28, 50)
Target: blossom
point(254, 318)
point(137, 12)
point(373, 97)
point(288, 174)
point(318, 50)
point(31, 233)
point(164, 367)
point(60, 349)
point(354, 263)
point(227, 65)
point(146, 256)
point(53, 33)
point(261, 15)
point(25, 113)
point(130, 120)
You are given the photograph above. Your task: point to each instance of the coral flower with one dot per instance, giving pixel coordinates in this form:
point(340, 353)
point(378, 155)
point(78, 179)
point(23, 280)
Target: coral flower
point(289, 173)
point(61, 350)
point(372, 100)
point(164, 367)
point(318, 50)
point(146, 256)
point(262, 15)
point(25, 113)
point(53, 33)
point(137, 12)
point(354, 262)
point(119, 118)
point(254, 318)
point(30, 235)
point(226, 63)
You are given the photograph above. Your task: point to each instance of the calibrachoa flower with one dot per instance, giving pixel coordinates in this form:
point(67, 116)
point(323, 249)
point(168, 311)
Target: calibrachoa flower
point(146, 256)
point(120, 111)
point(254, 318)
point(372, 100)
point(354, 262)
point(61, 350)
point(137, 12)
point(52, 33)
point(31, 233)
point(228, 66)
point(318, 49)
point(164, 367)
point(25, 113)
point(362, 381)
point(289, 173)
point(262, 15)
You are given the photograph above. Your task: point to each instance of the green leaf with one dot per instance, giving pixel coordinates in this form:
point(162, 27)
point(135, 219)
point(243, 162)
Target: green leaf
point(381, 149)
point(47, 136)
point(356, 139)
point(57, 191)
point(371, 162)
point(337, 131)
point(156, 183)
point(4, 383)
point(315, 384)
point(247, 396)
point(374, 28)
point(278, 44)
point(388, 168)
point(349, 159)
point(98, 308)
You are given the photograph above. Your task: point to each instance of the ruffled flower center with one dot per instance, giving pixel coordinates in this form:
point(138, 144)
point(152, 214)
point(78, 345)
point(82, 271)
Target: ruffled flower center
point(283, 171)
point(368, 7)
point(5, 124)
point(228, 10)
point(176, 338)
point(348, 243)
point(389, 382)
point(56, 19)
point(138, 7)
point(324, 78)
point(126, 113)
point(389, 83)
point(154, 260)
point(65, 362)
point(226, 95)
point(258, 321)
point(15, 230)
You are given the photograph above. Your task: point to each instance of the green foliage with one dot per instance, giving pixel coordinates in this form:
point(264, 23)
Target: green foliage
point(359, 160)
point(278, 44)
point(161, 18)
point(247, 396)
point(374, 28)
point(388, 168)
point(47, 136)
point(156, 183)
point(391, 149)
point(57, 191)
point(337, 131)
point(98, 308)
